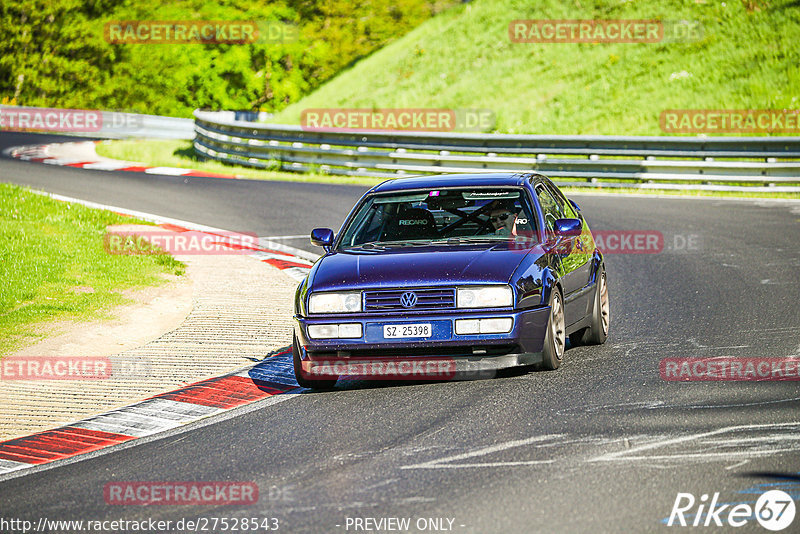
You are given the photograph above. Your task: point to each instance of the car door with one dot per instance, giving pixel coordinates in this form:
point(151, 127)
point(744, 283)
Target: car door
point(572, 273)
point(583, 249)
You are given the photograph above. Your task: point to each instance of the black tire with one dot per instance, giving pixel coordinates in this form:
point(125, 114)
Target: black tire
point(302, 379)
point(597, 332)
point(554, 339)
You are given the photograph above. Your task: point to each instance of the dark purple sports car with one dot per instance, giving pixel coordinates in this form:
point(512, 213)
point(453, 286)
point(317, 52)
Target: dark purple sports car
point(450, 276)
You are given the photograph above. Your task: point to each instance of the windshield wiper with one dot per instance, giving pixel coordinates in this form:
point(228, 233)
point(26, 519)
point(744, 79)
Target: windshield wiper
point(409, 243)
point(370, 246)
point(379, 245)
point(472, 239)
point(455, 240)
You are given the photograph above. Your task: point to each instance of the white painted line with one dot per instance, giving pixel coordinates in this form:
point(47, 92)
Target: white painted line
point(272, 245)
point(681, 197)
point(61, 161)
point(6, 466)
point(170, 410)
point(487, 464)
point(158, 219)
point(106, 165)
point(629, 454)
point(279, 237)
point(127, 423)
point(755, 439)
point(707, 455)
point(296, 273)
point(738, 464)
point(270, 256)
point(441, 463)
point(200, 423)
point(169, 171)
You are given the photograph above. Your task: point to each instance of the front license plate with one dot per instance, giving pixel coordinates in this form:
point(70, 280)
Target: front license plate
point(393, 331)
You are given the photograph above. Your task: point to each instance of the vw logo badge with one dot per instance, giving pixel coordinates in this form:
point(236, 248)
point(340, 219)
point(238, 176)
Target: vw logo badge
point(408, 299)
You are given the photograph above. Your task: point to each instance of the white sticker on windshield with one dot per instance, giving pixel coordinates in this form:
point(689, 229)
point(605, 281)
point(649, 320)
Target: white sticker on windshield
point(393, 199)
point(475, 195)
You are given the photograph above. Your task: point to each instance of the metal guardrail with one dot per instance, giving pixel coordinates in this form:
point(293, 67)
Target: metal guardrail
point(607, 161)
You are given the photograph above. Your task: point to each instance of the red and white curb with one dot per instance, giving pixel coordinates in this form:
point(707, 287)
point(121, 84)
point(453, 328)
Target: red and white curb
point(294, 262)
point(293, 266)
point(276, 254)
point(273, 376)
point(41, 154)
point(167, 411)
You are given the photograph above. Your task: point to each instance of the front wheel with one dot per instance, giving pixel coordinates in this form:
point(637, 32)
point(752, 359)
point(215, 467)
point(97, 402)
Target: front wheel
point(302, 379)
point(597, 332)
point(554, 339)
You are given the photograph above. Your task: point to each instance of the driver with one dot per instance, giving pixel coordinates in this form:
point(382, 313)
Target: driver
point(502, 219)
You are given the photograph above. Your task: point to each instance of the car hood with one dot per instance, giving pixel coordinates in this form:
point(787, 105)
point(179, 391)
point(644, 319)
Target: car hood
point(418, 266)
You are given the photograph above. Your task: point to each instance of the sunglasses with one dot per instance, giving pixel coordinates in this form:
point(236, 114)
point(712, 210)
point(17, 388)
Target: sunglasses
point(502, 217)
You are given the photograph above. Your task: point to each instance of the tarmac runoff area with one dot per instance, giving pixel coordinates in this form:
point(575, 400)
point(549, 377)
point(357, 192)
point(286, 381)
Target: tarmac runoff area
point(225, 313)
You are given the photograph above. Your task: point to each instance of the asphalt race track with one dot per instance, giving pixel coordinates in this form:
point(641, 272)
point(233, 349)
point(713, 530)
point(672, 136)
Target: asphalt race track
point(604, 444)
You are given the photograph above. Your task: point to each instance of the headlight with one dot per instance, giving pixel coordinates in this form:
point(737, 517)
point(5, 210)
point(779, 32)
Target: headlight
point(484, 297)
point(335, 302)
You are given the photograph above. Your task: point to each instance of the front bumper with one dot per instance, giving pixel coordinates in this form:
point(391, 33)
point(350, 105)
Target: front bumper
point(474, 355)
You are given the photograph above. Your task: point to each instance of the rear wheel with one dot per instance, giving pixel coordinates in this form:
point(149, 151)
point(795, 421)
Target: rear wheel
point(597, 332)
point(554, 339)
point(302, 378)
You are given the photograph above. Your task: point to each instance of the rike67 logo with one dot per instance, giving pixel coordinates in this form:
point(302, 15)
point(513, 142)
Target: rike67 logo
point(774, 510)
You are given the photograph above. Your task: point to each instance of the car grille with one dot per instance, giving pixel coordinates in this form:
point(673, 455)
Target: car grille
point(427, 299)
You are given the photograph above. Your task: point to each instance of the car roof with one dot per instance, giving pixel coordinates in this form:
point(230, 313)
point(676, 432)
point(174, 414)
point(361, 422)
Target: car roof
point(454, 180)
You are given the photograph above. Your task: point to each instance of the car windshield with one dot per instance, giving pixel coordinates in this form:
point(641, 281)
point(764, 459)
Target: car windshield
point(451, 216)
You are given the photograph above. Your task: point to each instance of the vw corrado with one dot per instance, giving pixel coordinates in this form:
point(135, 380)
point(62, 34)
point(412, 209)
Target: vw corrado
point(450, 275)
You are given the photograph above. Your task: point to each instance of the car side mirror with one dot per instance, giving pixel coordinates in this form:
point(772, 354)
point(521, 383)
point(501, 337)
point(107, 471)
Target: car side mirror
point(322, 237)
point(568, 227)
point(574, 205)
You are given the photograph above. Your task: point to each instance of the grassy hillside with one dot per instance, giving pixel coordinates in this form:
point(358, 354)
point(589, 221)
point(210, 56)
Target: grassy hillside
point(748, 58)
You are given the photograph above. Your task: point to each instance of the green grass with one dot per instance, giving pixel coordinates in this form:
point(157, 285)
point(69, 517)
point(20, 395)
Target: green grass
point(177, 153)
point(53, 265)
point(463, 58)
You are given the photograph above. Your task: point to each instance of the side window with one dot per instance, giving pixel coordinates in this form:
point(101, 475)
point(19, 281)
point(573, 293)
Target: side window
point(561, 200)
point(550, 208)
